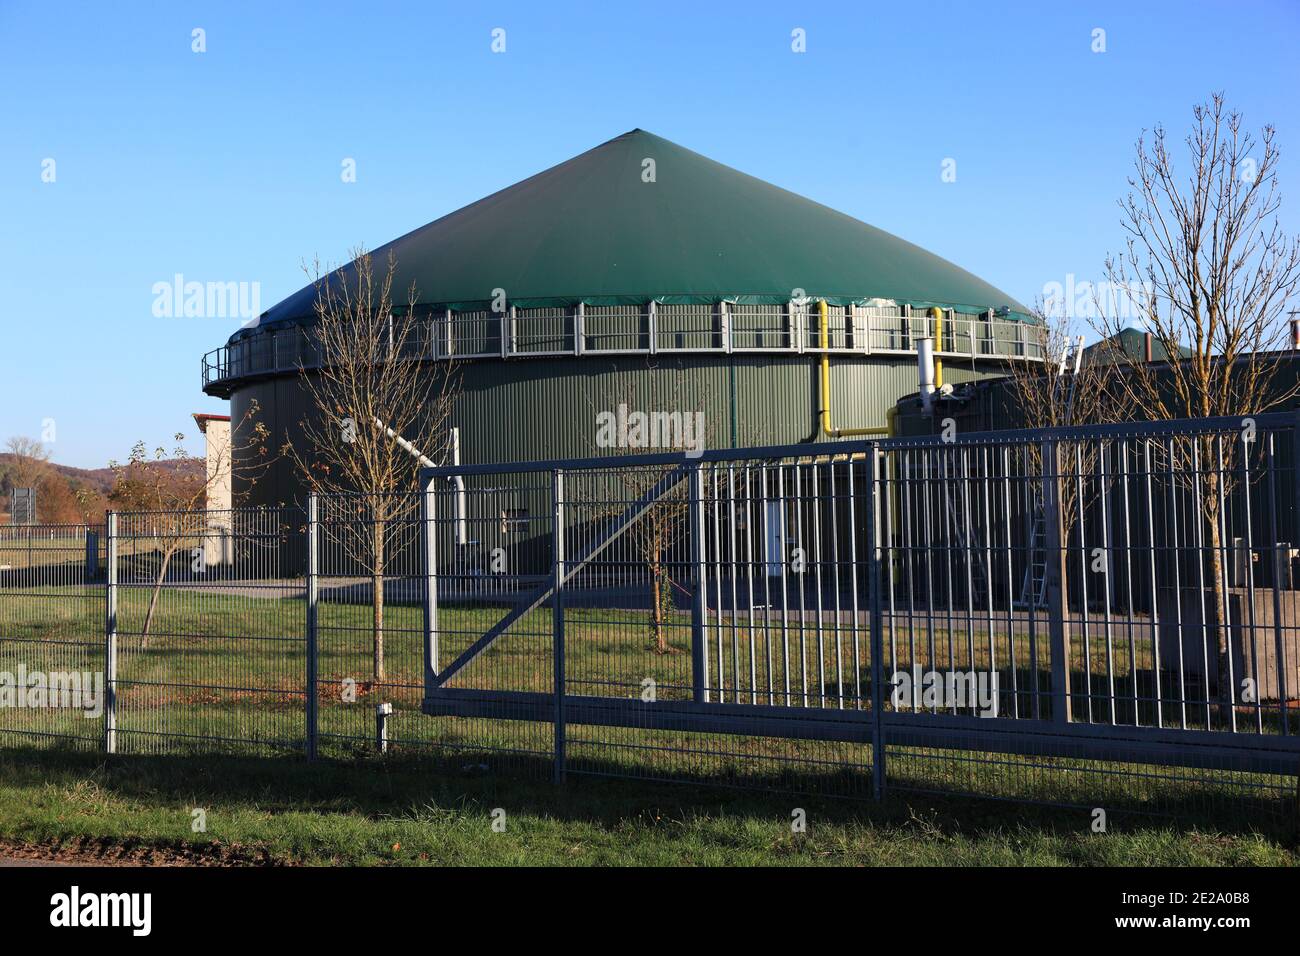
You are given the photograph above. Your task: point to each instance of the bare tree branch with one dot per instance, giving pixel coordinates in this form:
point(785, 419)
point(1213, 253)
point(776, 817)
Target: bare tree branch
point(373, 376)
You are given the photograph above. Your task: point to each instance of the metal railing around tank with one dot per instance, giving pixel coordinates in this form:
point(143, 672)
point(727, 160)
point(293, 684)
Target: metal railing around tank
point(888, 330)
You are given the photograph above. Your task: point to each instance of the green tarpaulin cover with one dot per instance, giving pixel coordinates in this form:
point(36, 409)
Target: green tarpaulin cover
point(594, 230)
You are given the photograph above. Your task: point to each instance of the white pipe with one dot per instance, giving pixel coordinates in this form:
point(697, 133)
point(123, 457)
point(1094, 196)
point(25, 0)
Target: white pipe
point(457, 480)
point(461, 536)
point(405, 445)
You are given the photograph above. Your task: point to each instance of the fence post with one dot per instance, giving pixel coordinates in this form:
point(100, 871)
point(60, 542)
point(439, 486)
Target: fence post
point(699, 603)
point(313, 624)
point(110, 636)
point(877, 638)
point(429, 541)
point(92, 555)
point(1055, 569)
point(557, 619)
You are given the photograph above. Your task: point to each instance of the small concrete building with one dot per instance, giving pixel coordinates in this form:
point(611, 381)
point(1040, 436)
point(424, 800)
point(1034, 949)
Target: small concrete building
point(217, 539)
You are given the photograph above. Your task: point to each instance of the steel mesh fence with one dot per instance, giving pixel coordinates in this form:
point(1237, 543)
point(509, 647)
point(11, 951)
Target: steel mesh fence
point(491, 618)
point(1086, 616)
point(370, 625)
point(698, 601)
point(1024, 592)
point(51, 635)
point(209, 613)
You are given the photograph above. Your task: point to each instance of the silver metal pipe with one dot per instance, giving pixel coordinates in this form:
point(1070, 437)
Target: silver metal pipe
point(925, 373)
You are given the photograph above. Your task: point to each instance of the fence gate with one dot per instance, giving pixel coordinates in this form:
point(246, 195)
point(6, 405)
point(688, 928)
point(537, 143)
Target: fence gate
point(1096, 599)
point(665, 619)
point(490, 656)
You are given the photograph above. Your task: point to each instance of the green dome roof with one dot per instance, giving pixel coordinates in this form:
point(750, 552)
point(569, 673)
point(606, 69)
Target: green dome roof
point(593, 230)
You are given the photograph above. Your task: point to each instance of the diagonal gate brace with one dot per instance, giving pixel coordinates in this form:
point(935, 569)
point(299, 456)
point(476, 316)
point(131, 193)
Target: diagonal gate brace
point(542, 595)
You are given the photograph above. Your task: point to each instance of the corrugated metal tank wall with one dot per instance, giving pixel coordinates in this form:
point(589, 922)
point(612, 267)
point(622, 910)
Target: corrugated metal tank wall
point(538, 409)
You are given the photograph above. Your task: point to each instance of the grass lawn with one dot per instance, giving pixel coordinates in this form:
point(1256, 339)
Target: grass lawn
point(212, 715)
point(411, 813)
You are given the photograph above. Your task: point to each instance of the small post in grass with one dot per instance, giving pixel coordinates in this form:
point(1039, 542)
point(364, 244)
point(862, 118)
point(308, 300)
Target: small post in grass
point(382, 712)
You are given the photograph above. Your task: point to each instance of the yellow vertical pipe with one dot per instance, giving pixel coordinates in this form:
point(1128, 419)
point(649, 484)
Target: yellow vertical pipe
point(824, 338)
point(938, 347)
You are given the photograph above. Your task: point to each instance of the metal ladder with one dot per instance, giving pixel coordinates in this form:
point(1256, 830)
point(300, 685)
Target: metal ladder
point(1033, 590)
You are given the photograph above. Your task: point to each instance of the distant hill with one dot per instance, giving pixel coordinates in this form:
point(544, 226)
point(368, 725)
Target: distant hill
point(96, 479)
point(95, 483)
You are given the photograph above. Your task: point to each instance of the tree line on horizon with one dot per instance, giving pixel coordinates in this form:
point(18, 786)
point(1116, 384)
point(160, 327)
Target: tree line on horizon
point(69, 495)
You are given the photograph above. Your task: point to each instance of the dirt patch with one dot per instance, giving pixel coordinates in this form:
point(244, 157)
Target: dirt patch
point(88, 851)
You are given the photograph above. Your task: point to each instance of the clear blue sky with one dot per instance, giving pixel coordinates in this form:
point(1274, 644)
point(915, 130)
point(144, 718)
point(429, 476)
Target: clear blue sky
point(225, 165)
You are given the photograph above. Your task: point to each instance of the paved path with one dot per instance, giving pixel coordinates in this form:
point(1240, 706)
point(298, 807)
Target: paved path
point(12, 861)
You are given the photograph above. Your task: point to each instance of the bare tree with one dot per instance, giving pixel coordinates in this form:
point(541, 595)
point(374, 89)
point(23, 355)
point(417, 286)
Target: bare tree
point(377, 407)
point(1051, 394)
point(169, 490)
point(28, 462)
point(673, 420)
point(1210, 270)
point(1069, 387)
